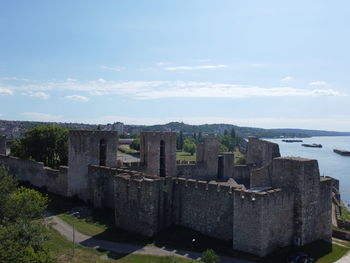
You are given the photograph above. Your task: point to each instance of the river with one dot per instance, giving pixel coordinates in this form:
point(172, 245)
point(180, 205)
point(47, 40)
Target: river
point(330, 163)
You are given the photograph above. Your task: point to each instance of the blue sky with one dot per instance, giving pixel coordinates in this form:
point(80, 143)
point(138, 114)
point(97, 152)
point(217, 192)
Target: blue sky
point(269, 64)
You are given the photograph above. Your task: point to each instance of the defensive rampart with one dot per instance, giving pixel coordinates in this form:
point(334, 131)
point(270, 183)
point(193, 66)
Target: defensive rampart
point(37, 174)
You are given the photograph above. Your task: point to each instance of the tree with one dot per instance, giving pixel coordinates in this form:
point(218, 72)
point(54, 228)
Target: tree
point(189, 146)
point(22, 239)
point(233, 133)
point(209, 256)
point(180, 141)
point(135, 144)
point(47, 144)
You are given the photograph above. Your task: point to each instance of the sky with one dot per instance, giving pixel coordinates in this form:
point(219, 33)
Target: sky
point(268, 64)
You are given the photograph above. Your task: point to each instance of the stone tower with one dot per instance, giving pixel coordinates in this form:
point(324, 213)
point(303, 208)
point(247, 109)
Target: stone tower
point(158, 153)
point(3, 144)
point(89, 148)
point(260, 152)
point(207, 155)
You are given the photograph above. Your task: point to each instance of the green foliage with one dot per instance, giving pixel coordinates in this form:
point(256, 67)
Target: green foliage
point(180, 141)
point(25, 203)
point(242, 160)
point(135, 144)
point(189, 146)
point(8, 185)
point(223, 148)
point(47, 144)
point(209, 256)
point(21, 238)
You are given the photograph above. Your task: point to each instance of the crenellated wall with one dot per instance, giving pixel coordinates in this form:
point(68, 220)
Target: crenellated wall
point(204, 207)
point(37, 174)
point(262, 221)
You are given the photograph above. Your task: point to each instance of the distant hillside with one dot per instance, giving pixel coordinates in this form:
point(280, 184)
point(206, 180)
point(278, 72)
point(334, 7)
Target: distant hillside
point(241, 131)
point(15, 129)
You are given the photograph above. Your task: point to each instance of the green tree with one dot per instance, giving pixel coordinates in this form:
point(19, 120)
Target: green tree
point(233, 133)
point(180, 141)
point(47, 144)
point(189, 146)
point(223, 148)
point(22, 239)
point(209, 256)
point(135, 144)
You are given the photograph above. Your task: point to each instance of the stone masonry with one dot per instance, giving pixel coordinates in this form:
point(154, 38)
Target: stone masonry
point(285, 201)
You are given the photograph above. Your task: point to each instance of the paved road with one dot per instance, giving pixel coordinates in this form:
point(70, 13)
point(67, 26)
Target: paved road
point(124, 248)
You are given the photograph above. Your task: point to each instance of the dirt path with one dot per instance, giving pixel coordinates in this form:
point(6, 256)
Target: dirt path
point(124, 248)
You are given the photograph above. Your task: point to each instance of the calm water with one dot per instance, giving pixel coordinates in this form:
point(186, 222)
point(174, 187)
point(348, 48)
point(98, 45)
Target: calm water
point(330, 163)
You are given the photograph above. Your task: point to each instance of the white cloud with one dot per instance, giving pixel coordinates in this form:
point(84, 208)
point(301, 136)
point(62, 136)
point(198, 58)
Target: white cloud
point(117, 69)
point(163, 63)
point(5, 91)
point(39, 94)
point(287, 79)
point(77, 98)
point(175, 68)
point(319, 83)
point(169, 89)
point(38, 116)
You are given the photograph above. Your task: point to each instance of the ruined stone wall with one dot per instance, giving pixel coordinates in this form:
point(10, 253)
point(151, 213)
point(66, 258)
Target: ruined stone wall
point(241, 174)
point(261, 152)
point(150, 152)
point(204, 207)
point(228, 159)
point(84, 150)
point(143, 205)
point(262, 221)
point(3, 144)
point(36, 174)
point(101, 185)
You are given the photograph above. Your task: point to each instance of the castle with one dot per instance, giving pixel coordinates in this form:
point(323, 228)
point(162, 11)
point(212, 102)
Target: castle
point(270, 202)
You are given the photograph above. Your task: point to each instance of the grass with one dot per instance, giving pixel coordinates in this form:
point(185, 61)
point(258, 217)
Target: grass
point(322, 251)
point(344, 213)
point(61, 249)
point(237, 155)
point(85, 226)
point(127, 149)
point(185, 156)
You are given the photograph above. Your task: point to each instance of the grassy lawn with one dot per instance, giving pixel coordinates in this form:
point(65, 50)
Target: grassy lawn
point(85, 226)
point(61, 250)
point(185, 156)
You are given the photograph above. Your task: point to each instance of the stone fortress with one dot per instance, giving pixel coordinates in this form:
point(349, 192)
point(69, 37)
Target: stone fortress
point(268, 203)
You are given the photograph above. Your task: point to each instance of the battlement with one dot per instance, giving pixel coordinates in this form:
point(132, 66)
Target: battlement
point(154, 134)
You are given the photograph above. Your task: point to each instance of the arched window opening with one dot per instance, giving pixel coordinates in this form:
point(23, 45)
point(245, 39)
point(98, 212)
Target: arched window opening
point(103, 152)
point(162, 159)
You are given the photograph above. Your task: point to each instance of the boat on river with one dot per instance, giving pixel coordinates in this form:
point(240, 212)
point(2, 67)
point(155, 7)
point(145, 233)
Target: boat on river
point(313, 145)
point(342, 152)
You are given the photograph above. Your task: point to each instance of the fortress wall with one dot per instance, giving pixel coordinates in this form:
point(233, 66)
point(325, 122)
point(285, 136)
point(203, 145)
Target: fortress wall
point(193, 171)
point(324, 226)
point(36, 174)
point(204, 207)
point(101, 185)
point(262, 221)
point(137, 204)
point(261, 152)
point(277, 220)
point(261, 177)
point(241, 172)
